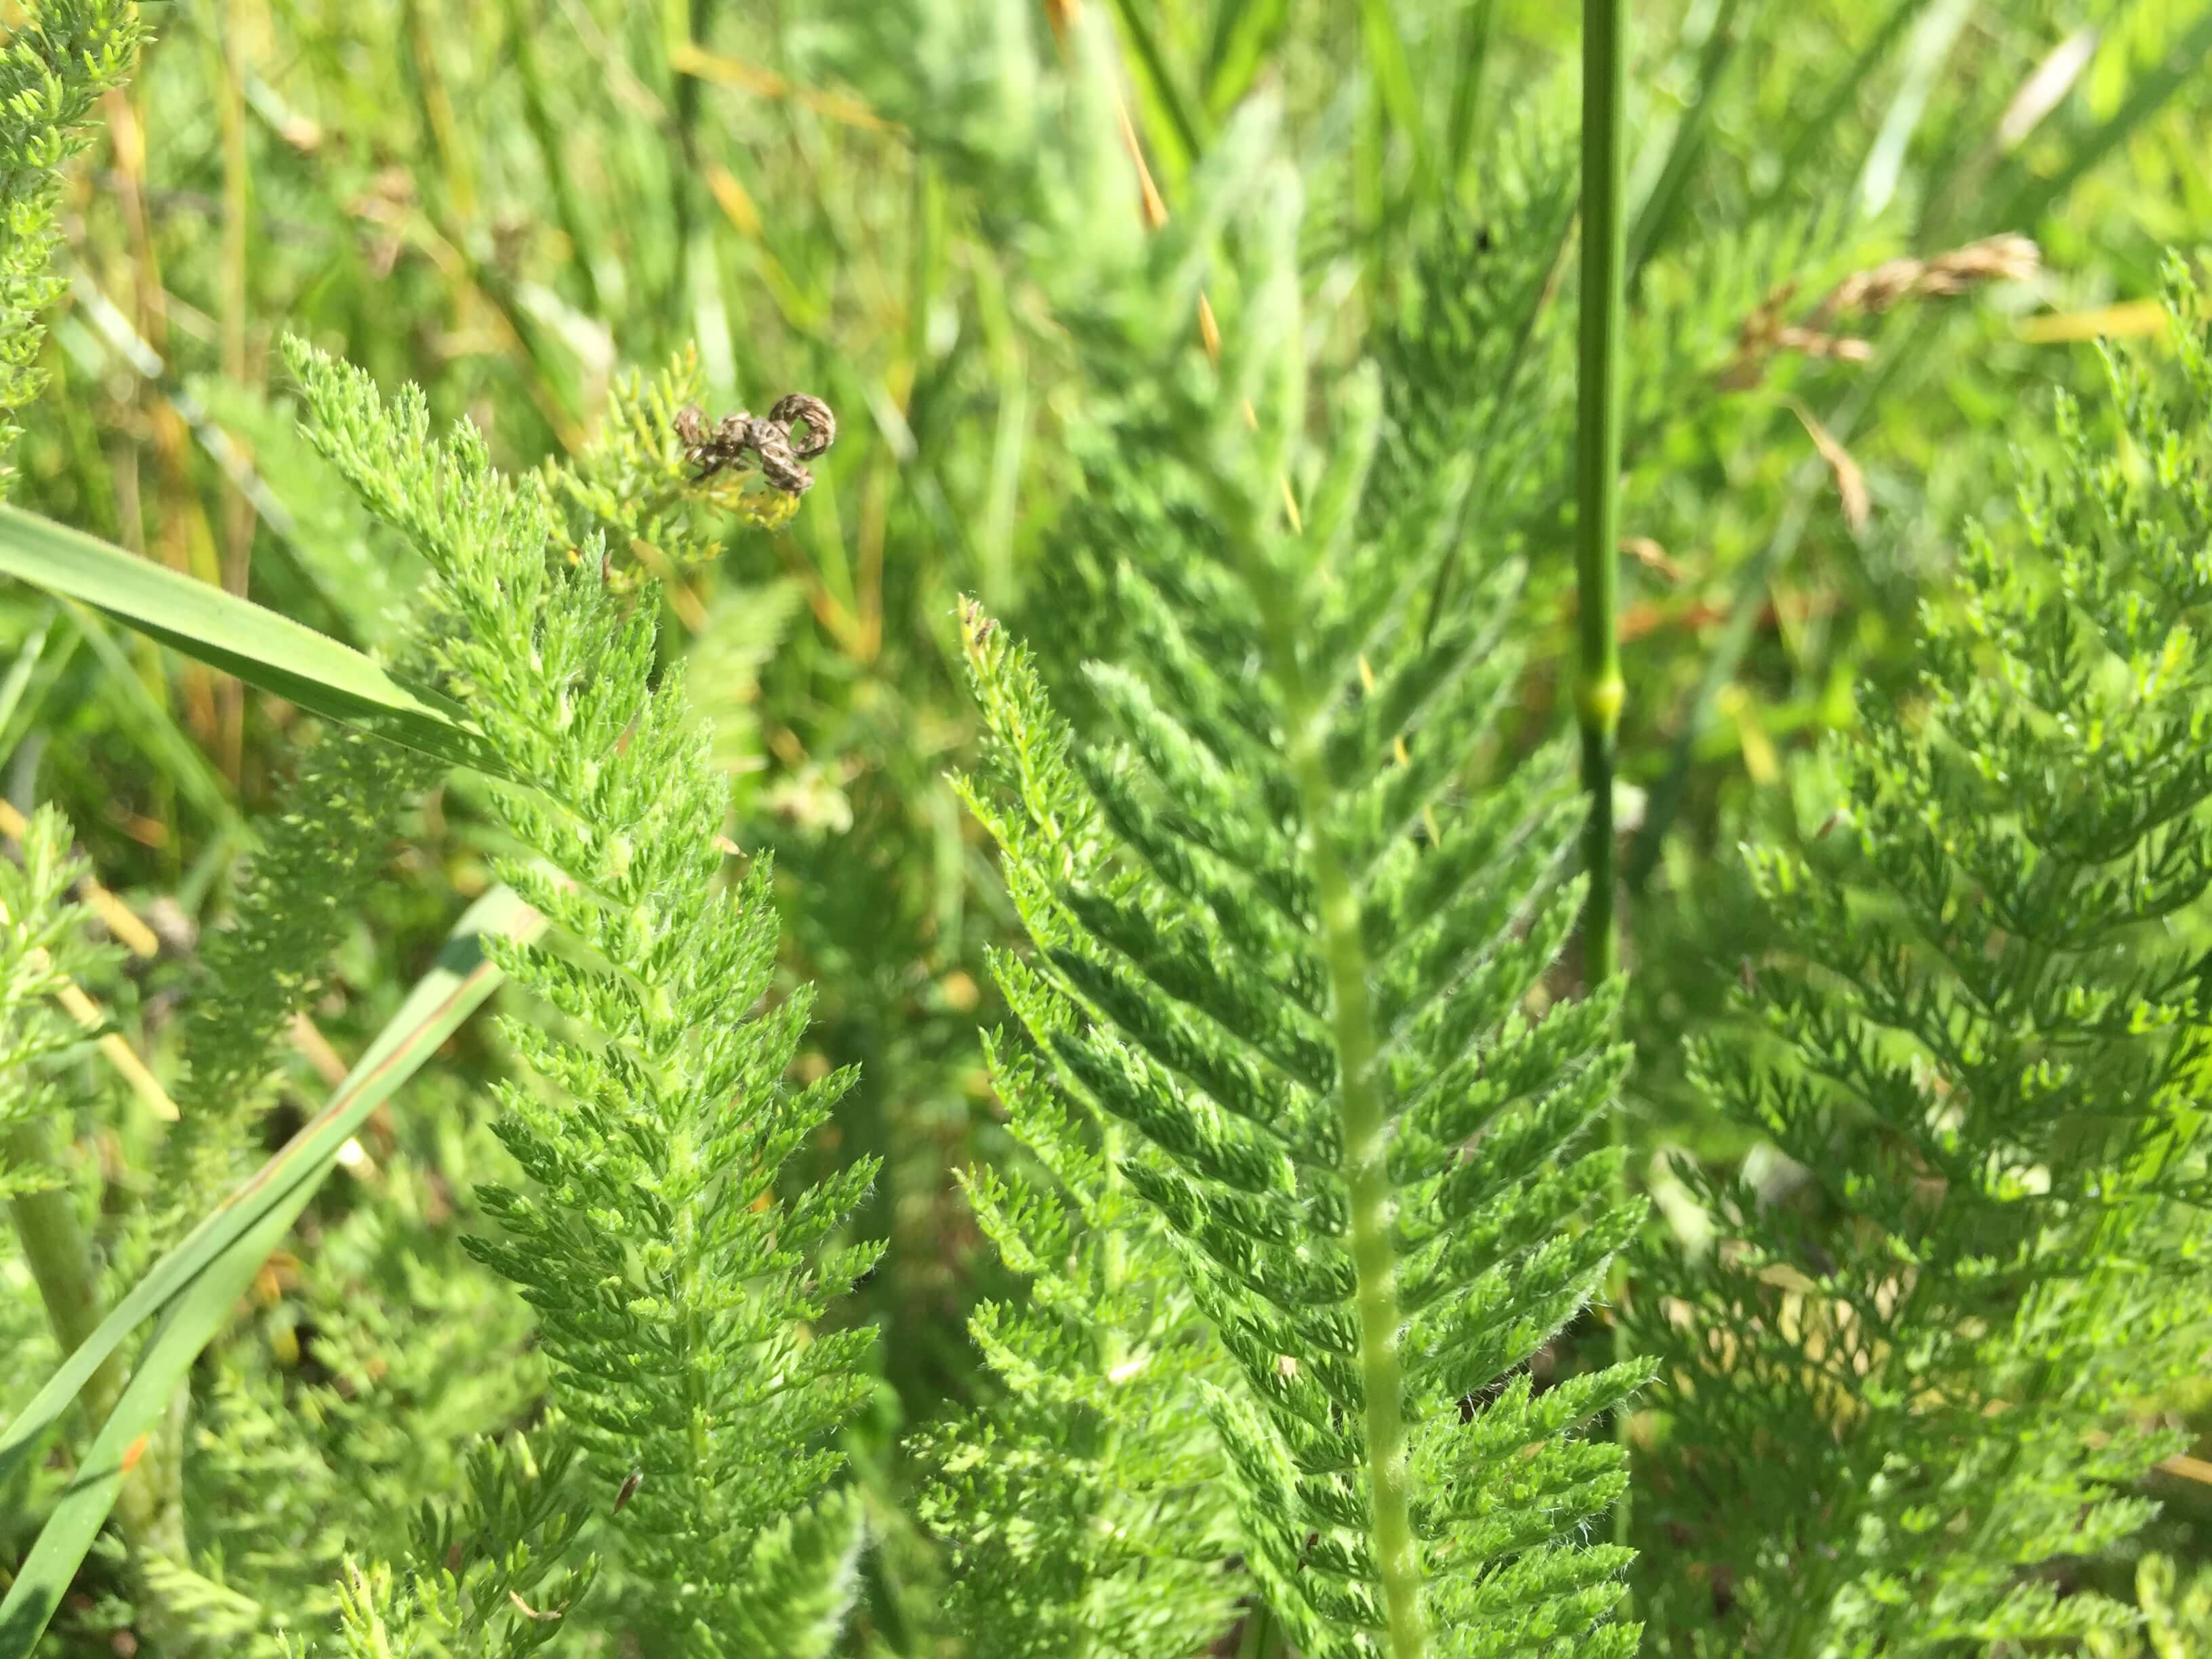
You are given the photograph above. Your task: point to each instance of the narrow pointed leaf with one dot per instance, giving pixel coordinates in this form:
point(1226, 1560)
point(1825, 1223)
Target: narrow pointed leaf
point(258, 645)
point(196, 1285)
point(191, 1321)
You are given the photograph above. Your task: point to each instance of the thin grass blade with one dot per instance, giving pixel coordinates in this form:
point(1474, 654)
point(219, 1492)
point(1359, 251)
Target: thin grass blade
point(459, 980)
point(1472, 59)
point(1828, 115)
point(1893, 355)
point(1657, 217)
point(27, 658)
point(1392, 67)
point(1165, 90)
point(1929, 50)
point(149, 721)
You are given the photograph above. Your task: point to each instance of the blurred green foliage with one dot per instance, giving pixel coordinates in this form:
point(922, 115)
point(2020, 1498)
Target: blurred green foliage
point(516, 203)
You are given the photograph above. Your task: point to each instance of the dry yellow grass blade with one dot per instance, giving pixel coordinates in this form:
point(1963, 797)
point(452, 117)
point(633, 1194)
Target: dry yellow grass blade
point(692, 59)
point(2127, 320)
point(1851, 483)
point(120, 1054)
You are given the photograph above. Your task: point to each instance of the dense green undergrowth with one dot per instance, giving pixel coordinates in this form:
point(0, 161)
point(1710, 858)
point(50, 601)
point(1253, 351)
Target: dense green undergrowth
point(1057, 1087)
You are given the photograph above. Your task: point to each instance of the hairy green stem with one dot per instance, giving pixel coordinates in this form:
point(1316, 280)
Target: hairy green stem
point(1366, 1143)
point(1110, 1351)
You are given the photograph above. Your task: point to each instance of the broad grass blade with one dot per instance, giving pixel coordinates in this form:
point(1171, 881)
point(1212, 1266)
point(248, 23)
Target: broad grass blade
point(190, 1322)
point(258, 646)
point(195, 1286)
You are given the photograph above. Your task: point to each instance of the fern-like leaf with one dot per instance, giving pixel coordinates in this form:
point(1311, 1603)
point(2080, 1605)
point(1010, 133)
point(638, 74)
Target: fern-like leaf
point(55, 65)
point(1296, 1015)
point(1898, 1392)
point(677, 1287)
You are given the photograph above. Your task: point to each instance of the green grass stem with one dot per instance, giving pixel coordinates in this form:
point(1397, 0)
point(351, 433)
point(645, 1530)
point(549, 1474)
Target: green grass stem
point(1599, 691)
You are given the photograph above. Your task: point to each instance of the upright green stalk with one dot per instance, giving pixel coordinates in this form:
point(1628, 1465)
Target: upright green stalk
point(1598, 689)
point(60, 1259)
point(1374, 1254)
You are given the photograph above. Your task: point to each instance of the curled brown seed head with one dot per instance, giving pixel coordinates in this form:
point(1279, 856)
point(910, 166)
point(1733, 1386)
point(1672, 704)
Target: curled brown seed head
point(821, 424)
point(743, 439)
point(770, 444)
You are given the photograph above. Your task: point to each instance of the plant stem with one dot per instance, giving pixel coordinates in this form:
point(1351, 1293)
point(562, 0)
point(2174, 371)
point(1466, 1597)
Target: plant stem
point(1259, 1641)
point(1373, 1252)
point(1599, 691)
point(60, 1259)
point(1366, 1141)
point(1113, 1274)
point(150, 1507)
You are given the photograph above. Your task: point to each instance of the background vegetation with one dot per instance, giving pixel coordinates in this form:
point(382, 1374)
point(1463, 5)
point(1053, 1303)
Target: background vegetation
point(515, 204)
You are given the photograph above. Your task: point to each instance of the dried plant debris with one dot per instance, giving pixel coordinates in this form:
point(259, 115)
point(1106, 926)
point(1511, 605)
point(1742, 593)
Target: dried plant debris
point(2006, 258)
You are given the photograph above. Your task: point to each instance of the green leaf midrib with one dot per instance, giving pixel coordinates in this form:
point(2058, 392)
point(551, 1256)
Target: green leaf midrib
point(1364, 1158)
